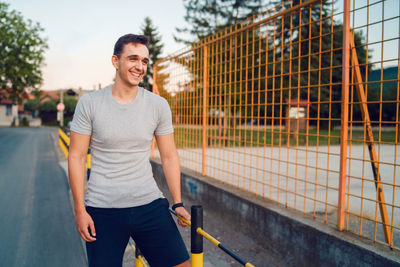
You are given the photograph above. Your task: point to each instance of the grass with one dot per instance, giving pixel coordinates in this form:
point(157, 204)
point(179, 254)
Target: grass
point(192, 137)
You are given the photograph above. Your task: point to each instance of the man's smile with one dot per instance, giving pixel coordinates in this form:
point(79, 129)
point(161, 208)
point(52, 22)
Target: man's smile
point(136, 75)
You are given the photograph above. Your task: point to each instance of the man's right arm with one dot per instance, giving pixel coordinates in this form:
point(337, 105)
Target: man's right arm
point(78, 149)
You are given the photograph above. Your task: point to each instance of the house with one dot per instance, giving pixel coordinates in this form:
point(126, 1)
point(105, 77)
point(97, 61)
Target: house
point(8, 113)
point(11, 114)
point(49, 95)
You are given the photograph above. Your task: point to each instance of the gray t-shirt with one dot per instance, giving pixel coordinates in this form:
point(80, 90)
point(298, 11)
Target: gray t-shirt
point(120, 143)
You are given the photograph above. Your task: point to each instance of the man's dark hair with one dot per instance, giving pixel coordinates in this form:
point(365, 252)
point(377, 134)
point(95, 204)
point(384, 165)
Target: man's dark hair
point(127, 39)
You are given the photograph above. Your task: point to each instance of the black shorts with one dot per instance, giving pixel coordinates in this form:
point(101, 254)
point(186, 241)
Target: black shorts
point(152, 228)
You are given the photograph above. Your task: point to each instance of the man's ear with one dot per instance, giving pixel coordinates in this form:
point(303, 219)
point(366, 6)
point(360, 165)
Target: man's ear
point(114, 61)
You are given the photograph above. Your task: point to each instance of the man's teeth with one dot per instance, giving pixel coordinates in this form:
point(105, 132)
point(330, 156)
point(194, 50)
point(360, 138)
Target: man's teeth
point(135, 74)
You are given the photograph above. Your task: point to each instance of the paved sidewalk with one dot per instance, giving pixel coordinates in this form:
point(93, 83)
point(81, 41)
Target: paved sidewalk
point(265, 171)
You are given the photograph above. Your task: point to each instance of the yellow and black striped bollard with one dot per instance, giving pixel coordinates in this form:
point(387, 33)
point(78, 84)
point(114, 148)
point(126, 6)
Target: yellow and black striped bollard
point(196, 240)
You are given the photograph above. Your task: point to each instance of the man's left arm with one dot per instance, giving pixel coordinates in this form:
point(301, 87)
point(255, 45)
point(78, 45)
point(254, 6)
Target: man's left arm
point(172, 171)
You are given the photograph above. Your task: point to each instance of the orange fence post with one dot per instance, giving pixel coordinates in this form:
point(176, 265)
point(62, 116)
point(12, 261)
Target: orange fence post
point(155, 90)
point(205, 88)
point(345, 114)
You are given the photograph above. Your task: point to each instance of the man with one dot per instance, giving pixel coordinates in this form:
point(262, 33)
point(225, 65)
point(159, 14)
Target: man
point(122, 198)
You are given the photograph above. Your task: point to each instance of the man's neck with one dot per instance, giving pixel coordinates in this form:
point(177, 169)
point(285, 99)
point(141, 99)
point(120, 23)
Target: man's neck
point(124, 94)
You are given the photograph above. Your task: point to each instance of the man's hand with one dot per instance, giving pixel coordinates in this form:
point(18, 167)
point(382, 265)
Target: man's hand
point(181, 211)
point(83, 222)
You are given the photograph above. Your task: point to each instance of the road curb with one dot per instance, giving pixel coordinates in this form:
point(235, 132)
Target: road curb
point(63, 162)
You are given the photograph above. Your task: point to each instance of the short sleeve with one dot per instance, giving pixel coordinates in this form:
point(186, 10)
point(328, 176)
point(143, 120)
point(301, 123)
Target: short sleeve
point(82, 122)
point(164, 125)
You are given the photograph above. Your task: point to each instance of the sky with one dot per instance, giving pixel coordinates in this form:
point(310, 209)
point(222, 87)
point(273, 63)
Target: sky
point(81, 35)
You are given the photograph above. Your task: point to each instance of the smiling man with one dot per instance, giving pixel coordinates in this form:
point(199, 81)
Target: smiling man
point(122, 198)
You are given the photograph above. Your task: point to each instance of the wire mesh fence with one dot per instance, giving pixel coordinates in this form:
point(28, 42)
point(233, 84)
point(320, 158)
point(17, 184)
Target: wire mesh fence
point(265, 106)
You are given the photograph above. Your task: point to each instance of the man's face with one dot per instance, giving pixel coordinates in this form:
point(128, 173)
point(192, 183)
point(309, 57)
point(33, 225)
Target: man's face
point(132, 63)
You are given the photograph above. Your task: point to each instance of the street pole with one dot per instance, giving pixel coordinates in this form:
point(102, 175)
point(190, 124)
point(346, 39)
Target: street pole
point(62, 111)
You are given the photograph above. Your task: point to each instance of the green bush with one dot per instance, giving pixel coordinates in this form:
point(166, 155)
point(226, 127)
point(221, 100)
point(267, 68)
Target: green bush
point(24, 122)
point(48, 112)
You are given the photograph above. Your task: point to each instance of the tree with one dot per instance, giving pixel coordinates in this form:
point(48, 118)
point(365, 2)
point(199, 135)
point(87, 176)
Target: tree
point(48, 111)
point(21, 53)
point(319, 72)
point(32, 104)
point(288, 60)
point(227, 101)
point(155, 50)
point(207, 17)
point(70, 104)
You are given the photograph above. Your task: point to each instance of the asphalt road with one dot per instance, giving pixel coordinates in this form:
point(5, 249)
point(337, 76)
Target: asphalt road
point(37, 226)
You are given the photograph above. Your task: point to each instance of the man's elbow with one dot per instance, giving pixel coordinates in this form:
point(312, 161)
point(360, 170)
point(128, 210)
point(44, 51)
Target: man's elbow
point(76, 157)
point(170, 157)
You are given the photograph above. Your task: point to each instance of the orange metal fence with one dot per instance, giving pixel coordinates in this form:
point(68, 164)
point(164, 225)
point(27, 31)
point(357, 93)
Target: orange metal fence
point(299, 105)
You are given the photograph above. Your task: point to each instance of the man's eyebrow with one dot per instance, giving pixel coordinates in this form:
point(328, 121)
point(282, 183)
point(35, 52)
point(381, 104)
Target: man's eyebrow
point(137, 56)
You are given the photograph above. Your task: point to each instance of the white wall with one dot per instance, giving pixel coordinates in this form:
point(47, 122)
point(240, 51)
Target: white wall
point(5, 120)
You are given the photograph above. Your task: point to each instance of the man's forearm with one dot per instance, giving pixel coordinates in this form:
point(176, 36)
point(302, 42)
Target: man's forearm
point(172, 173)
point(76, 170)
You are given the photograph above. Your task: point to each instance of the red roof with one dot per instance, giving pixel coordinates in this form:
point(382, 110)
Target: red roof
point(28, 96)
point(52, 94)
point(6, 102)
point(4, 98)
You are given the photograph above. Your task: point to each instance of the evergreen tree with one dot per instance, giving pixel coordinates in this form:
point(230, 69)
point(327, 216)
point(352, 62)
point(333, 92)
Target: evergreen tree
point(320, 73)
point(259, 61)
point(207, 17)
point(155, 50)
